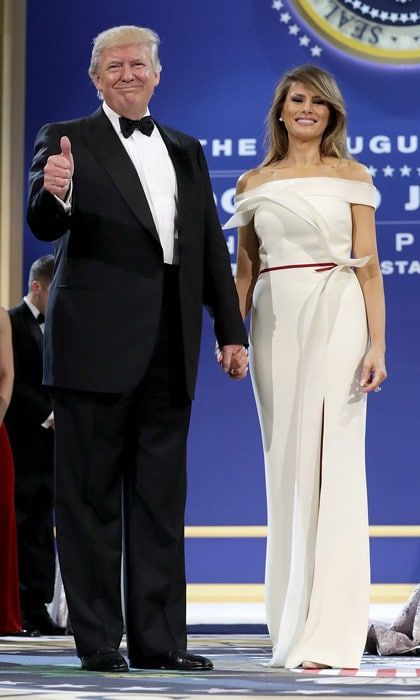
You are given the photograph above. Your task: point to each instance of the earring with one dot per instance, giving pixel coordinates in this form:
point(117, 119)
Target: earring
point(280, 119)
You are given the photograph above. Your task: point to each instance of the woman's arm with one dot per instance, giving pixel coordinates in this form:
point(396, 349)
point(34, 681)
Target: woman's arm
point(6, 362)
point(370, 279)
point(248, 263)
point(247, 267)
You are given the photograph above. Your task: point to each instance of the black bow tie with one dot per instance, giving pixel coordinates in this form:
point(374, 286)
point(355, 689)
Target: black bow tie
point(40, 318)
point(145, 125)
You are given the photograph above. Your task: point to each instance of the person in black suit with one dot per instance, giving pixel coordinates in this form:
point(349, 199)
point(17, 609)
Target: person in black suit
point(30, 424)
point(139, 250)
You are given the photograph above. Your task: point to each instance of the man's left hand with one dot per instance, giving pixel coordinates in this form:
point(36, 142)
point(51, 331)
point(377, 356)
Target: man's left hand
point(234, 360)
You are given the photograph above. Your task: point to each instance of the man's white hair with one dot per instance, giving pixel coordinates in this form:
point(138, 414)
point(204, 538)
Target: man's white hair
point(120, 36)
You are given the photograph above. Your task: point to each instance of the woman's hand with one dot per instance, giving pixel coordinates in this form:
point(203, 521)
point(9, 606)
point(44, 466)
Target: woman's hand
point(373, 370)
point(233, 359)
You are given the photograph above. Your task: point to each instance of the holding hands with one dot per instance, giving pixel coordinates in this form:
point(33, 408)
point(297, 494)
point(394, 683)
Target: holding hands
point(233, 359)
point(59, 170)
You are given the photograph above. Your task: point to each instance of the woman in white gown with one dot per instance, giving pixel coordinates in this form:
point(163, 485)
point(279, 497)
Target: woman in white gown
point(308, 271)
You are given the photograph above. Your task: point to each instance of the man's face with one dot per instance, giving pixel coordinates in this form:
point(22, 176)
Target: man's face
point(126, 79)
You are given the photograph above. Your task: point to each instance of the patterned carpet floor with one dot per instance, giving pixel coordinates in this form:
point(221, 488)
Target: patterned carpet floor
point(47, 669)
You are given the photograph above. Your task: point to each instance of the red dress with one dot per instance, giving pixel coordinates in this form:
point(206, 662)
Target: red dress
point(10, 620)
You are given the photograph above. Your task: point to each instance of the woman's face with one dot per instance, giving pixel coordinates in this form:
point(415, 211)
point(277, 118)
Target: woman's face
point(305, 113)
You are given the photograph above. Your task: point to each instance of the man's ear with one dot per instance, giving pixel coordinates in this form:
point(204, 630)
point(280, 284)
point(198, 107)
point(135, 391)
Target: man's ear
point(96, 81)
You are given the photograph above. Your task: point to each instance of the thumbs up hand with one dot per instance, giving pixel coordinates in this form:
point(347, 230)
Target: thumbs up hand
point(59, 170)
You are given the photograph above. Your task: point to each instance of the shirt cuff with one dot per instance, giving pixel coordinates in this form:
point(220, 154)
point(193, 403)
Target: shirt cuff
point(48, 422)
point(67, 204)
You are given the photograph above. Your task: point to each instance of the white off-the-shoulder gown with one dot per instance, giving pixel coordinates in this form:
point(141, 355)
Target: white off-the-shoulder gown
point(307, 341)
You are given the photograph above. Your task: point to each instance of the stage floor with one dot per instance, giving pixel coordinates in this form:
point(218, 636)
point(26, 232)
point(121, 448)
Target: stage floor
point(47, 669)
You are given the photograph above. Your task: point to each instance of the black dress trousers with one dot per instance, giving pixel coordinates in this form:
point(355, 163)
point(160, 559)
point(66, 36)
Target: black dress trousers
point(121, 475)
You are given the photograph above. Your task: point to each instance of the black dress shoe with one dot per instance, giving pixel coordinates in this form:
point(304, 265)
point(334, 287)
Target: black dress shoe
point(29, 631)
point(44, 623)
point(178, 660)
point(106, 659)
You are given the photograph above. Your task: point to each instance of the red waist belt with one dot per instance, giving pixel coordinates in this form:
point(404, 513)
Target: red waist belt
point(320, 267)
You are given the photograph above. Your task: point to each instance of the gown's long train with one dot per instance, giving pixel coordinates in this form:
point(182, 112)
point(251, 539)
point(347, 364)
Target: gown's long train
point(308, 338)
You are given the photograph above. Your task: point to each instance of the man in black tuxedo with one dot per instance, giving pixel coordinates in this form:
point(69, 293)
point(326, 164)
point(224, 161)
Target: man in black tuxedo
point(30, 424)
point(139, 251)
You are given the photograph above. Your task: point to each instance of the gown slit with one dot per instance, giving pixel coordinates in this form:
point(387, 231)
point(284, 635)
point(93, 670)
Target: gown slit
point(321, 447)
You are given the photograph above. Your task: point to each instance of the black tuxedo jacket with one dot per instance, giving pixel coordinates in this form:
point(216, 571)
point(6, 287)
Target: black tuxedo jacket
point(105, 299)
point(30, 404)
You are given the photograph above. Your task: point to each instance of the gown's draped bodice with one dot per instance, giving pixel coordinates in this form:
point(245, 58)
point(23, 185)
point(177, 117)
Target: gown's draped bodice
point(290, 227)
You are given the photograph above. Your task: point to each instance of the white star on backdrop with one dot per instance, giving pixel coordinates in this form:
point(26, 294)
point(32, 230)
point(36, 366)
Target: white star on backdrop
point(294, 27)
point(372, 170)
point(316, 51)
point(388, 171)
point(285, 17)
point(405, 171)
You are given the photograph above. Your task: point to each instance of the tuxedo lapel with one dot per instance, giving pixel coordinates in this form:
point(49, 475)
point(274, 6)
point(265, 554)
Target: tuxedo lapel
point(101, 138)
point(184, 175)
point(33, 326)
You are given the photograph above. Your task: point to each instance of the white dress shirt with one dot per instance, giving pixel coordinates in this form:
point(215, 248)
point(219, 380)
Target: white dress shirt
point(34, 310)
point(154, 167)
point(156, 173)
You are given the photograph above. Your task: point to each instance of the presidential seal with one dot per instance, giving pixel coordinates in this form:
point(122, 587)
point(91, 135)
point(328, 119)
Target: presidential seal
point(379, 30)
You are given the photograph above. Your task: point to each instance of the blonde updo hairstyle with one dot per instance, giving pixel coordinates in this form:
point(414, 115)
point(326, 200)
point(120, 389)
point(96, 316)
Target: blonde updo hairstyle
point(334, 139)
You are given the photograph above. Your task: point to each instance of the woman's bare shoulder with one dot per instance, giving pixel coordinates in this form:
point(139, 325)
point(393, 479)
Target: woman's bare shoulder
point(352, 170)
point(248, 180)
point(4, 316)
point(4, 321)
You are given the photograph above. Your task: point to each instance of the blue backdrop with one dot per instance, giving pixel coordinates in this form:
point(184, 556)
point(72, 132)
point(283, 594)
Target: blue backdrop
point(221, 61)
